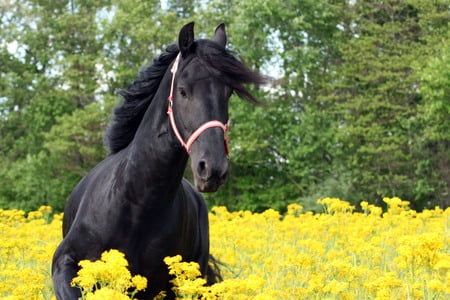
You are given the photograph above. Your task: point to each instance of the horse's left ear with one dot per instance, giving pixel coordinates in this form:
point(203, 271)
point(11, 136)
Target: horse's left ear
point(221, 35)
point(186, 38)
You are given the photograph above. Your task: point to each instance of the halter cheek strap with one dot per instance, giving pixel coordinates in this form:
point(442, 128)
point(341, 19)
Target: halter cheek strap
point(194, 136)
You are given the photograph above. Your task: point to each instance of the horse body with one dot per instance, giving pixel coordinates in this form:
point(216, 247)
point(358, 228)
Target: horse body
point(136, 200)
point(146, 212)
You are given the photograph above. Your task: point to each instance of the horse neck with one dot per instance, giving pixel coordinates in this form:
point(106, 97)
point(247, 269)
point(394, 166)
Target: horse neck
point(156, 162)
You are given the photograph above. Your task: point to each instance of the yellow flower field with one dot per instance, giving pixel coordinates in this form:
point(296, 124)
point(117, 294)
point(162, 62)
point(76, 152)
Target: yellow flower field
point(338, 254)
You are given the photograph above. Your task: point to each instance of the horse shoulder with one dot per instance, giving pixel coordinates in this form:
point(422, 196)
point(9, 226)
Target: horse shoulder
point(84, 197)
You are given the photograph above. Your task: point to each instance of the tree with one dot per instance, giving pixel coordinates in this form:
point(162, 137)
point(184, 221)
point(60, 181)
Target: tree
point(375, 95)
point(57, 87)
point(283, 149)
point(52, 71)
point(359, 110)
point(433, 147)
point(49, 52)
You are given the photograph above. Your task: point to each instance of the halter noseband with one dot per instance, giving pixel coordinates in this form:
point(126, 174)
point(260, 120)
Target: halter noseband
point(194, 136)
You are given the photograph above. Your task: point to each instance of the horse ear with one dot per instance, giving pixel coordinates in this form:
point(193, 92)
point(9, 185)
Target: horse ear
point(186, 38)
point(221, 35)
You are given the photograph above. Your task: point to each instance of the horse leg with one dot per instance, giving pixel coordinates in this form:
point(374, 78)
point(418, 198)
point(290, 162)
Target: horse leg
point(64, 269)
point(209, 265)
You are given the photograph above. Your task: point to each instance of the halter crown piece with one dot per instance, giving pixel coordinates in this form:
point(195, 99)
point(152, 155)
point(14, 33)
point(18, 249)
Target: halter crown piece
point(194, 136)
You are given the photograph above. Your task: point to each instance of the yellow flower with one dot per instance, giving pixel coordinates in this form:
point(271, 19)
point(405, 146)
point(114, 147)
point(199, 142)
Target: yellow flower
point(106, 293)
point(364, 205)
point(271, 214)
point(335, 205)
point(110, 272)
point(437, 285)
point(139, 282)
point(172, 260)
point(339, 254)
point(443, 262)
point(396, 205)
point(335, 287)
point(294, 209)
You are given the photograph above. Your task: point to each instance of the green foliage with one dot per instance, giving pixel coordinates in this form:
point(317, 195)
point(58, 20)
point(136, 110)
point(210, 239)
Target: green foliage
point(377, 99)
point(360, 110)
point(433, 169)
point(71, 147)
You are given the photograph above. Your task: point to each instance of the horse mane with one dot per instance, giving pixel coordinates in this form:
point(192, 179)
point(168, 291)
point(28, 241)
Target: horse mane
point(221, 64)
point(137, 98)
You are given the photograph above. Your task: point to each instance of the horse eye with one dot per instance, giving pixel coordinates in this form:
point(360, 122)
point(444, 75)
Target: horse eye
point(182, 92)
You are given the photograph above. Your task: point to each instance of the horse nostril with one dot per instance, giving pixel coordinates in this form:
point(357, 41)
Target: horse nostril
point(202, 169)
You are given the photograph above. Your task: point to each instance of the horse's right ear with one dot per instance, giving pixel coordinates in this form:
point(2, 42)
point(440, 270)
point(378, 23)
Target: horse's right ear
point(221, 35)
point(186, 38)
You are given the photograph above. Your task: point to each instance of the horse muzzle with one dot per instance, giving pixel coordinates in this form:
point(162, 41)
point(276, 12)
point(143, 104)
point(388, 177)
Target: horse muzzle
point(209, 175)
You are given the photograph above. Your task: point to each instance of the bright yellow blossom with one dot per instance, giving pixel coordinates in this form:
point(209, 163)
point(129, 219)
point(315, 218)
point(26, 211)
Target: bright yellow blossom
point(139, 282)
point(338, 254)
point(108, 277)
point(106, 293)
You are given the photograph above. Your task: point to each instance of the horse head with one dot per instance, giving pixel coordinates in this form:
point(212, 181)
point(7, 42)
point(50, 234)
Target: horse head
point(199, 106)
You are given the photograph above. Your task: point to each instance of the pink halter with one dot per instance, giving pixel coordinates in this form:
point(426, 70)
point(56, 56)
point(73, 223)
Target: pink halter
point(194, 136)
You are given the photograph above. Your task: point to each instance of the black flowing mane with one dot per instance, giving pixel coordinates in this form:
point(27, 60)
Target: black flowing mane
point(137, 97)
point(221, 64)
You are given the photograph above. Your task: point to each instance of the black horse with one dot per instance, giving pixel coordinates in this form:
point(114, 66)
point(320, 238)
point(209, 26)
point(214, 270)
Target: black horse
point(136, 200)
